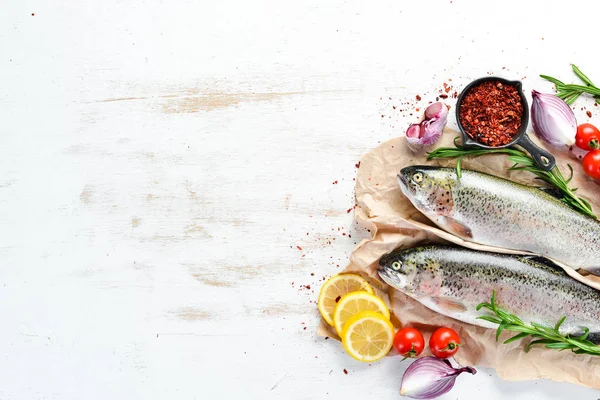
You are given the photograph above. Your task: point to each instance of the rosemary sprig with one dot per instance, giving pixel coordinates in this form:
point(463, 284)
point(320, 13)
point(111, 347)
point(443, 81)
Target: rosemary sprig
point(551, 338)
point(523, 162)
point(568, 92)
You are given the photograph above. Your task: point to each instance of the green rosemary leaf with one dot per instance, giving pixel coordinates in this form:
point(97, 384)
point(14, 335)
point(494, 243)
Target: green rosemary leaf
point(501, 327)
point(458, 168)
point(570, 174)
point(585, 334)
point(518, 336)
point(534, 342)
point(580, 88)
point(584, 201)
point(559, 345)
point(581, 75)
point(559, 323)
point(493, 320)
point(520, 328)
point(553, 80)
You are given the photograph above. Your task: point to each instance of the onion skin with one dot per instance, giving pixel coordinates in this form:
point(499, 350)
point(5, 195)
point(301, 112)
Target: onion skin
point(430, 377)
point(553, 120)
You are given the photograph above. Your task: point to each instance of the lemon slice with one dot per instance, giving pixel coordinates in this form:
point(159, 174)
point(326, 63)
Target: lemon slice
point(368, 336)
point(333, 290)
point(353, 303)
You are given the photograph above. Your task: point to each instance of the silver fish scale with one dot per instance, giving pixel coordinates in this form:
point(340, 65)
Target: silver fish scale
point(525, 287)
point(506, 214)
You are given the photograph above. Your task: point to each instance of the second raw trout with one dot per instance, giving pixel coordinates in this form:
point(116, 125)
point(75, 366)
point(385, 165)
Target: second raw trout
point(453, 281)
point(491, 211)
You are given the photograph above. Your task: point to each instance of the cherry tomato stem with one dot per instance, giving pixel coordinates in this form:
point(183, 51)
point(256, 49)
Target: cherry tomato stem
point(451, 346)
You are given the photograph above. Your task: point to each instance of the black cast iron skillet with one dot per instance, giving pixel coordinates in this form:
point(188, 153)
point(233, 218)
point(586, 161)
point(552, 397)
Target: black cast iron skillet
point(542, 158)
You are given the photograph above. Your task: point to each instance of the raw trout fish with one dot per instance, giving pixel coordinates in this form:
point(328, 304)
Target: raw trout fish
point(453, 281)
point(488, 210)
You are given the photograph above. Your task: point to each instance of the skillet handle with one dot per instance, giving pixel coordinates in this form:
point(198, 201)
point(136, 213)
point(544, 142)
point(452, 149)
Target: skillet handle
point(543, 159)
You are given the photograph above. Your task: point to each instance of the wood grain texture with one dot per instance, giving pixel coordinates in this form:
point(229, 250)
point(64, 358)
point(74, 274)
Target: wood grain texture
point(174, 173)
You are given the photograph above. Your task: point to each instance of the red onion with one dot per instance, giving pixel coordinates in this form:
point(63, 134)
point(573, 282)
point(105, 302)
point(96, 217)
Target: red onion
point(430, 129)
point(430, 377)
point(553, 120)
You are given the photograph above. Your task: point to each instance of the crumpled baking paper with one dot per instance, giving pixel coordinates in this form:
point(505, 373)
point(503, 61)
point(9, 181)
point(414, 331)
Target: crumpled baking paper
point(395, 223)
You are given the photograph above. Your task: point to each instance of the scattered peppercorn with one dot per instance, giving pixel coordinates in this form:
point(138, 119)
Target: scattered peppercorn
point(491, 112)
point(589, 114)
point(345, 371)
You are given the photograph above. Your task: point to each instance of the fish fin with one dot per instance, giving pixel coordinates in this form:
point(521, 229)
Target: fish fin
point(554, 192)
point(456, 227)
point(594, 337)
point(544, 261)
point(449, 305)
point(590, 271)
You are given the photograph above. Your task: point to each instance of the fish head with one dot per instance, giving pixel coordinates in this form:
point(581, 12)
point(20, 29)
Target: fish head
point(399, 269)
point(428, 188)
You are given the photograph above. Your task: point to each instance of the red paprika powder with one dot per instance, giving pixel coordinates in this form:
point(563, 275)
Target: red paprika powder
point(491, 113)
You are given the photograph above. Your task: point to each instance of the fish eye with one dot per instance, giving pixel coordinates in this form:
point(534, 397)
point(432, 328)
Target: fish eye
point(418, 177)
point(396, 265)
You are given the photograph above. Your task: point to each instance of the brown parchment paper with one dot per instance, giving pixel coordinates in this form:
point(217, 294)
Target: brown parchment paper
point(395, 223)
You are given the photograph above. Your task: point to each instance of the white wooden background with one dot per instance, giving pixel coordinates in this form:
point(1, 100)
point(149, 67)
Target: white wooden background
point(163, 162)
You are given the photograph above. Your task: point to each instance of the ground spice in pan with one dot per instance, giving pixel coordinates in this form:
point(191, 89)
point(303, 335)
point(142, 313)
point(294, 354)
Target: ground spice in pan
point(491, 112)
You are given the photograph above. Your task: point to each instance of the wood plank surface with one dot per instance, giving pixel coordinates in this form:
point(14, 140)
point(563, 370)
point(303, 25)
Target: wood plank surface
point(176, 176)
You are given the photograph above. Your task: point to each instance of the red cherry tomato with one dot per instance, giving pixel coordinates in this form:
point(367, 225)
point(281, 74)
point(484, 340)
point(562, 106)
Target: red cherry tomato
point(409, 342)
point(444, 343)
point(588, 137)
point(591, 164)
